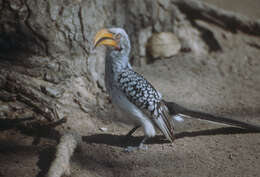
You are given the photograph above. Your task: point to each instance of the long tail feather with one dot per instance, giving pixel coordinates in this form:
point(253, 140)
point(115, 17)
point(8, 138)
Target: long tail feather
point(164, 122)
point(176, 109)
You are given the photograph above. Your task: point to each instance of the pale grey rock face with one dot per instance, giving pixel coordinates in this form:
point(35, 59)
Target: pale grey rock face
point(143, 37)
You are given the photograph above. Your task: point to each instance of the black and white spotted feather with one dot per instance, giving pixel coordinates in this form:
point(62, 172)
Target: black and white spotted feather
point(138, 90)
point(141, 93)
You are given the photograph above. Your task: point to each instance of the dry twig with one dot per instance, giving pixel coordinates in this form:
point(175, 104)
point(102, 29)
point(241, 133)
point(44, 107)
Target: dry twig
point(226, 19)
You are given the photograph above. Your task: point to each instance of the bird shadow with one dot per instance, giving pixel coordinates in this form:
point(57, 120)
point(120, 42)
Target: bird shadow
point(121, 141)
point(46, 157)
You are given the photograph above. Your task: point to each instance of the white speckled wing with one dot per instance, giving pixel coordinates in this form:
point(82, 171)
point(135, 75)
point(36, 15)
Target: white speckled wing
point(142, 94)
point(138, 90)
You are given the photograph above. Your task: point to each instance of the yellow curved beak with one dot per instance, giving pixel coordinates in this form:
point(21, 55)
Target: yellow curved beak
point(104, 37)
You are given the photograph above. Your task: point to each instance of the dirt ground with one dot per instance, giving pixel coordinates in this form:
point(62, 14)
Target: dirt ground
point(223, 83)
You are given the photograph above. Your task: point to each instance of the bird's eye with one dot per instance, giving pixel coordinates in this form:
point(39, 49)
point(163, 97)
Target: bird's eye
point(117, 36)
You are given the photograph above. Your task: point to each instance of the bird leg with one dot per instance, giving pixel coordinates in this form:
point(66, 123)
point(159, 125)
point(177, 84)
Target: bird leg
point(129, 134)
point(132, 131)
point(141, 145)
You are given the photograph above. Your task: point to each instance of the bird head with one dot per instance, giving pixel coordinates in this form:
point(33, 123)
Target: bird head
point(116, 38)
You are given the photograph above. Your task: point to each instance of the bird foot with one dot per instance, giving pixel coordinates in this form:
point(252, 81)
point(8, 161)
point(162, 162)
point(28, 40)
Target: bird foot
point(133, 148)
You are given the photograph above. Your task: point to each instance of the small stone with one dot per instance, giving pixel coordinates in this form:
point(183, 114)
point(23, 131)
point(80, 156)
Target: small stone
point(164, 44)
point(53, 92)
point(103, 129)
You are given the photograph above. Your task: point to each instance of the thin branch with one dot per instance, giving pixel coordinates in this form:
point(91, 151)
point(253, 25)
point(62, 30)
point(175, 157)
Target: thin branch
point(229, 20)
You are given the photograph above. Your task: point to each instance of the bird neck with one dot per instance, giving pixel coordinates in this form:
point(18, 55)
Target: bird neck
point(117, 61)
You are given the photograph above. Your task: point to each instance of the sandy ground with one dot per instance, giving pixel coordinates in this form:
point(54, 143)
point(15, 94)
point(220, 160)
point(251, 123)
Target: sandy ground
point(223, 83)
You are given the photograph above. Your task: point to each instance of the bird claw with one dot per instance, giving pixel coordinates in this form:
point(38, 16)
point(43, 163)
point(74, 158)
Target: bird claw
point(133, 148)
point(130, 148)
point(143, 147)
